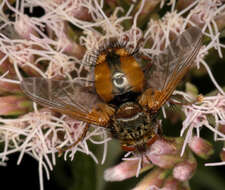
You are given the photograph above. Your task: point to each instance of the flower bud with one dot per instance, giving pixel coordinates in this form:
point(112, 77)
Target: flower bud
point(24, 27)
point(155, 178)
point(6, 66)
point(81, 13)
point(162, 146)
point(124, 170)
point(165, 161)
point(222, 128)
point(14, 105)
point(183, 171)
point(171, 184)
point(164, 152)
point(6, 87)
point(201, 147)
point(219, 19)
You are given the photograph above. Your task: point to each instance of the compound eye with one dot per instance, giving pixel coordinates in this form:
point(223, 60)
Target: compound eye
point(120, 80)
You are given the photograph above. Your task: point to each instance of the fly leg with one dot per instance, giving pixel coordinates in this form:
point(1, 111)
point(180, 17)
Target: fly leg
point(80, 138)
point(102, 113)
point(149, 100)
point(184, 102)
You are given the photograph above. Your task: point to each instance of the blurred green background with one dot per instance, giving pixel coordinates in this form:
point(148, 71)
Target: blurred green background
point(84, 174)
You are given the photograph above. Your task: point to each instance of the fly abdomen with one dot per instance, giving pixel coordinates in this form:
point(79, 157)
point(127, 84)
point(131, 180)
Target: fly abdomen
point(130, 122)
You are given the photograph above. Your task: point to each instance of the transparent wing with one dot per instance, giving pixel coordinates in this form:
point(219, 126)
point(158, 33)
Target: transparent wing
point(63, 96)
point(171, 65)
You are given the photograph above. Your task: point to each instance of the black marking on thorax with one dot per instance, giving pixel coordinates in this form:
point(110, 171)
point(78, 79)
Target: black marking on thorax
point(129, 96)
point(113, 61)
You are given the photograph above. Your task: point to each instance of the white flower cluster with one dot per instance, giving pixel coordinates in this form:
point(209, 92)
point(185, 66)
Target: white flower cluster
point(45, 39)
